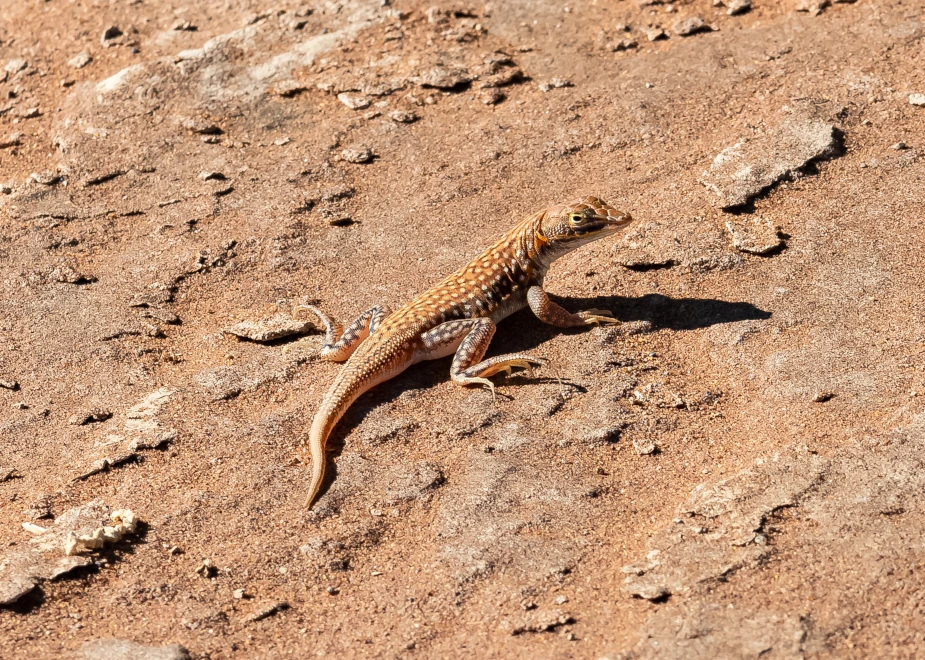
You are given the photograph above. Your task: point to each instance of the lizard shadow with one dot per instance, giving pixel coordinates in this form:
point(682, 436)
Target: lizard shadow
point(522, 332)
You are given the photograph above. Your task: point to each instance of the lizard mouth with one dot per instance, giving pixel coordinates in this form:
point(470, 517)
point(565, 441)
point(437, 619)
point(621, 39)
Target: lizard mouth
point(615, 218)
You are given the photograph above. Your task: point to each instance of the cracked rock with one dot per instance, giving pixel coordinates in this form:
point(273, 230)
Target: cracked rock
point(751, 166)
point(275, 327)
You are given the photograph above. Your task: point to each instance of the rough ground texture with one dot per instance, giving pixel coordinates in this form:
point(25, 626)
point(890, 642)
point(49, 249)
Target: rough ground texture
point(737, 473)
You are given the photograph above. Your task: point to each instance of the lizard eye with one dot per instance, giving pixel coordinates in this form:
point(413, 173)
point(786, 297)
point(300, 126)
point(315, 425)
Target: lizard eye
point(577, 219)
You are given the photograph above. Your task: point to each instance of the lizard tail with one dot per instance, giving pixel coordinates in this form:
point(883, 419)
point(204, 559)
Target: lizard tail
point(317, 439)
point(362, 372)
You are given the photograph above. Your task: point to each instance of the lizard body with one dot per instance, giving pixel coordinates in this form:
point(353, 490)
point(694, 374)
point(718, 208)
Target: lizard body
point(459, 314)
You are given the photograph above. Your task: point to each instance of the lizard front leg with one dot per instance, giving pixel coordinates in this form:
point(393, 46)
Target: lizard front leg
point(470, 339)
point(340, 345)
point(549, 312)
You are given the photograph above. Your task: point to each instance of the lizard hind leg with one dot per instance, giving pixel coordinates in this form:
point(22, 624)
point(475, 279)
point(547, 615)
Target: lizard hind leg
point(339, 343)
point(471, 338)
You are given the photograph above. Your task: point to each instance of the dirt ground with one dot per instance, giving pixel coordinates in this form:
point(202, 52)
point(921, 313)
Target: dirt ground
point(736, 472)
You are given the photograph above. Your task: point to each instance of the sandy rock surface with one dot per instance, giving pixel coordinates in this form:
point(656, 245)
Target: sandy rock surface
point(734, 472)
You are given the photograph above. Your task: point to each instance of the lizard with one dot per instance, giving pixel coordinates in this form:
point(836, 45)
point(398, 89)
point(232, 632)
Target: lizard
point(458, 316)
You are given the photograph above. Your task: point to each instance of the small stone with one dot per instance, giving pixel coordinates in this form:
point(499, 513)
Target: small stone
point(357, 155)
point(20, 405)
point(266, 610)
point(754, 235)
point(89, 416)
point(290, 88)
point(561, 600)
point(9, 385)
point(555, 83)
point(654, 33)
point(814, 7)
point(80, 60)
point(275, 327)
point(354, 101)
point(206, 569)
point(822, 397)
point(210, 139)
point(238, 594)
point(737, 7)
point(201, 126)
point(623, 44)
point(443, 77)
point(403, 116)
point(689, 26)
point(644, 446)
point(332, 591)
point(917, 99)
point(899, 146)
point(109, 34)
point(372, 114)
point(45, 178)
point(12, 141)
point(280, 142)
point(29, 113)
point(491, 96)
point(212, 176)
point(6, 189)
point(15, 66)
point(183, 26)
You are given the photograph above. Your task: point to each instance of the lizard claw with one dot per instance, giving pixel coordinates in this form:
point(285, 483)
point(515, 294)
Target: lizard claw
point(592, 316)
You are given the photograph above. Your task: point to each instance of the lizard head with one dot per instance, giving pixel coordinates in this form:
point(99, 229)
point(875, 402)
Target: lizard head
point(588, 219)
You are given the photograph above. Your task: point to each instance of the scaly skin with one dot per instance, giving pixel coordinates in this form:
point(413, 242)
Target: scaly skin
point(459, 315)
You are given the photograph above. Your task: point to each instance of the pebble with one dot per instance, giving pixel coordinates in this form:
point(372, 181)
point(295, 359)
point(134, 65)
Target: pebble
point(29, 113)
point(644, 446)
point(15, 66)
point(357, 155)
point(212, 176)
point(917, 99)
point(491, 96)
point(80, 60)
point(9, 385)
point(354, 101)
point(443, 77)
point(238, 594)
point(12, 141)
point(555, 83)
point(201, 127)
point(561, 600)
point(290, 88)
point(899, 146)
point(822, 397)
point(654, 34)
point(89, 416)
point(739, 7)
point(279, 142)
point(183, 26)
point(403, 116)
point(688, 26)
point(270, 329)
point(45, 177)
point(266, 610)
point(623, 44)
